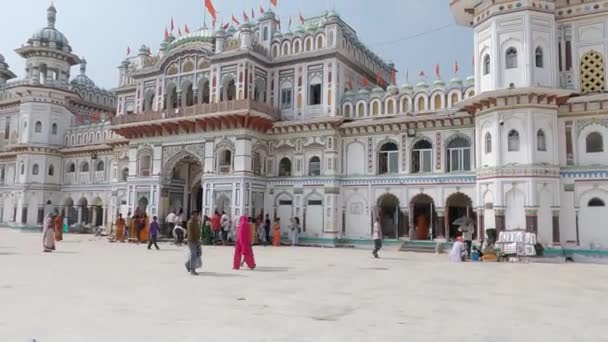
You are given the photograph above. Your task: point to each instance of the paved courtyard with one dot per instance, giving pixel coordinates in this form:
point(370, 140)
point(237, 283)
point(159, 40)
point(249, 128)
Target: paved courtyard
point(91, 290)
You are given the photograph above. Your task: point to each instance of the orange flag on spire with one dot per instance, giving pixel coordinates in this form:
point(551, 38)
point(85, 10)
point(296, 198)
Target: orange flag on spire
point(186, 29)
point(365, 81)
point(437, 73)
point(245, 16)
point(301, 19)
point(456, 68)
point(166, 34)
point(128, 51)
point(235, 20)
point(274, 2)
point(262, 9)
point(211, 9)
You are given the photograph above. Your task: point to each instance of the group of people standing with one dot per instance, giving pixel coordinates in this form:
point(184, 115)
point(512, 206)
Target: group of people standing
point(52, 231)
point(134, 228)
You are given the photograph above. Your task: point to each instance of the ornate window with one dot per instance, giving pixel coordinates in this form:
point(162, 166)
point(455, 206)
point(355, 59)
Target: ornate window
point(513, 141)
point(285, 167)
point(541, 141)
point(390, 107)
point(594, 142)
point(347, 111)
point(314, 94)
point(596, 202)
point(422, 157)
point(405, 105)
point(388, 159)
point(375, 108)
point(454, 99)
point(225, 161)
point(84, 167)
point(38, 127)
point(438, 102)
point(319, 42)
point(592, 72)
point(51, 170)
point(459, 155)
point(286, 98)
point(488, 143)
point(35, 170)
point(54, 129)
point(538, 54)
point(421, 104)
point(99, 166)
point(71, 168)
point(125, 174)
point(145, 165)
point(257, 163)
point(486, 64)
point(360, 110)
point(314, 166)
point(511, 58)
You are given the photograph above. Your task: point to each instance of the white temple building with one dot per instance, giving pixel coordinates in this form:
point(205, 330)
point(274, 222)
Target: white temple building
point(310, 124)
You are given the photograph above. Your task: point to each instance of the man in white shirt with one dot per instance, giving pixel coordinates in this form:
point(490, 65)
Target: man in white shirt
point(377, 237)
point(225, 220)
point(170, 221)
point(467, 235)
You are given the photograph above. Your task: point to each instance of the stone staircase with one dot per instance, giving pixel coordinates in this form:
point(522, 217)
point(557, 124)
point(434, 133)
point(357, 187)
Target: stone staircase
point(425, 246)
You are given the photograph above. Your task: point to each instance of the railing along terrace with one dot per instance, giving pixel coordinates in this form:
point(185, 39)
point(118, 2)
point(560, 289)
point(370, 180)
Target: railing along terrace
point(199, 109)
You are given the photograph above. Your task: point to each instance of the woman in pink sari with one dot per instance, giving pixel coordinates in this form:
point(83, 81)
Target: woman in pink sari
point(48, 234)
point(243, 245)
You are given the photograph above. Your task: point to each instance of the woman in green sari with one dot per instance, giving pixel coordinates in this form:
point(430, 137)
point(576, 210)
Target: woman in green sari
point(207, 233)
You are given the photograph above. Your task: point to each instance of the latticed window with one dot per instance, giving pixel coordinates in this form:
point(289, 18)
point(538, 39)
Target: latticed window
point(592, 72)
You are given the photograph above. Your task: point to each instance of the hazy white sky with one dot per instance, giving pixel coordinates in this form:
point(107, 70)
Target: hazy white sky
point(101, 30)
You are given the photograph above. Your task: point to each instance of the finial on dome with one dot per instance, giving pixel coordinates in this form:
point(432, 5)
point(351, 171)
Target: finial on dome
point(83, 66)
point(51, 15)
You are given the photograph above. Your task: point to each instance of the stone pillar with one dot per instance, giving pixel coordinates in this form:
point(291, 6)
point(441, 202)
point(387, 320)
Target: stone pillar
point(532, 220)
point(79, 214)
point(578, 240)
point(406, 220)
point(195, 96)
point(179, 99)
point(93, 220)
point(481, 229)
point(556, 235)
point(440, 231)
point(500, 220)
point(104, 212)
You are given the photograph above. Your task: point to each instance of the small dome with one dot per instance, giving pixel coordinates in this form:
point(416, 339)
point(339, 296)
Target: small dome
point(268, 14)
point(2, 60)
point(49, 36)
point(471, 79)
point(377, 90)
point(455, 81)
point(392, 90)
point(202, 34)
point(363, 92)
point(407, 87)
point(349, 93)
point(83, 79)
point(422, 84)
point(439, 84)
point(332, 14)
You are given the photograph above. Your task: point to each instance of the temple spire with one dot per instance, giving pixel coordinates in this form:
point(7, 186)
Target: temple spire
point(51, 15)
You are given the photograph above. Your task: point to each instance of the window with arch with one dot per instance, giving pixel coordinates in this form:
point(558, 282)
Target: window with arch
point(84, 167)
point(38, 127)
point(347, 111)
point(437, 102)
point(285, 49)
point(35, 170)
point(486, 64)
point(596, 202)
point(275, 51)
point(22, 169)
point(592, 72)
point(541, 141)
point(51, 170)
point(54, 129)
point(71, 168)
point(405, 105)
point(314, 166)
point(422, 156)
point(538, 56)
point(360, 110)
point(421, 104)
point(99, 166)
point(296, 47)
point(145, 165)
point(265, 33)
point(390, 107)
point(388, 159)
point(594, 143)
point(320, 42)
point(308, 44)
point(459, 155)
point(285, 167)
point(225, 161)
point(228, 90)
point(488, 142)
point(513, 141)
point(511, 58)
point(257, 163)
point(125, 174)
point(375, 108)
point(454, 99)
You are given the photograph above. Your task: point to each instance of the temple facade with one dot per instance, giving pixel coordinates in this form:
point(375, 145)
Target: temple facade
point(310, 124)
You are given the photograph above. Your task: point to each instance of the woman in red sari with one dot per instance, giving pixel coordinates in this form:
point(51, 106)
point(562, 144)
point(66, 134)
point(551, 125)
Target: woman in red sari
point(58, 227)
point(242, 247)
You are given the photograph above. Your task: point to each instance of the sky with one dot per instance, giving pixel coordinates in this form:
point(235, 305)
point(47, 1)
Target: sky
point(414, 34)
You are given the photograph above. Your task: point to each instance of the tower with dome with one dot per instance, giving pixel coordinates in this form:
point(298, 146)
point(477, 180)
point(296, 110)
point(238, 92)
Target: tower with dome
point(310, 123)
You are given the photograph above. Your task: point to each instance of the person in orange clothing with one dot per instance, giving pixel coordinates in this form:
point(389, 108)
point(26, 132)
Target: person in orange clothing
point(58, 227)
point(276, 233)
point(143, 228)
point(120, 228)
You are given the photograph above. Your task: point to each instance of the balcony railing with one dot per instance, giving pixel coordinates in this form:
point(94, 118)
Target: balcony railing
point(199, 109)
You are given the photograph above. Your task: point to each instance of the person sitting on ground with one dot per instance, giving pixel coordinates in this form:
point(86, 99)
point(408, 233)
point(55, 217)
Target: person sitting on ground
point(178, 234)
point(459, 250)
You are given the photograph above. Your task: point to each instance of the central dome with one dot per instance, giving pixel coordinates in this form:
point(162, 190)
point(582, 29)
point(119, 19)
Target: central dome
point(49, 36)
point(202, 35)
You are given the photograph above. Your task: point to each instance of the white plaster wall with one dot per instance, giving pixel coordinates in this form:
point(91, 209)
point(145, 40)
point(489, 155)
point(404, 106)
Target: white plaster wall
point(593, 231)
point(597, 158)
point(357, 214)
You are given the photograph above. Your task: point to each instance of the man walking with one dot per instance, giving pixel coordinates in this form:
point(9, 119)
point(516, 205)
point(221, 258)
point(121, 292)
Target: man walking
point(267, 228)
point(216, 227)
point(194, 244)
point(377, 237)
point(153, 233)
point(170, 221)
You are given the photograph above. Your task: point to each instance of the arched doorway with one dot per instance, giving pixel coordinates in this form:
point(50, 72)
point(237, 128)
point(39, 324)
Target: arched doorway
point(142, 205)
point(83, 205)
point(182, 181)
point(69, 211)
point(458, 205)
point(424, 217)
point(97, 212)
point(390, 216)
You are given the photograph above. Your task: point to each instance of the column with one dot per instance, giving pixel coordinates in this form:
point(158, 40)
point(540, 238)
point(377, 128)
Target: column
point(440, 231)
point(406, 220)
point(179, 99)
point(500, 220)
point(532, 220)
point(104, 213)
point(578, 240)
point(79, 220)
point(195, 95)
point(481, 230)
point(556, 235)
point(93, 221)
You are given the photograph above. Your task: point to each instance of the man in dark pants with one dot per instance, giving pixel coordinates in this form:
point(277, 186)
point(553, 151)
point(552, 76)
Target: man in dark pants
point(267, 229)
point(377, 237)
point(153, 233)
point(194, 243)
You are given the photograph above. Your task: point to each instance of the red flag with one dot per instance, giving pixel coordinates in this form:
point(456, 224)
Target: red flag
point(235, 20)
point(186, 29)
point(456, 68)
point(225, 27)
point(262, 9)
point(365, 81)
point(128, 51)
point(274, 2)
point(437, 73)
point(301, 19)
point(421, 74)
point(172, 25)
point(252, 14)
point(245, 16)
point(211, 9)
point(166, 34)
point(394, 76)
point(213, 22)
